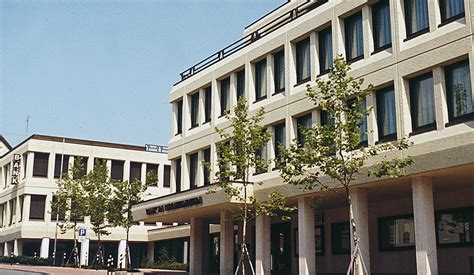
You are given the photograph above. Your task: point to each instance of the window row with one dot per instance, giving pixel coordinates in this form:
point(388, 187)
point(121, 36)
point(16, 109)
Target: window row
point(62, 164)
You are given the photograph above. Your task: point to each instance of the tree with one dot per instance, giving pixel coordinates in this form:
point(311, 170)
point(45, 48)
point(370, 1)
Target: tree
point(239, 155)
point(334, 150)
point(126, 194)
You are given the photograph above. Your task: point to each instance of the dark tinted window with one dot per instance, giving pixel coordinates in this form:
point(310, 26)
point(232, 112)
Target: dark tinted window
point(224, 95)
point(340, 238)
point(458, 90)
point(167, 176)
point(135, 171)
point(396, 233)
point(261, 79)
point(354, 37)
point(58, 168)
point(416, 16)
point(451, 9)
point(116, 172)
point(422, 102)
point(193, 169)
point(386, 114)
point(152, 169)
point(40, 165)
point(194, 110)
point(81, 164)
point(37, 207)
point(381, 24)
point(325, 50)
point(207, 104)
point(280, 140)
point(178, 175)
point(302, 122)
point(240, 83)
point(207, 159)
point(179, 117)
point(279, 71)
point(303, 62)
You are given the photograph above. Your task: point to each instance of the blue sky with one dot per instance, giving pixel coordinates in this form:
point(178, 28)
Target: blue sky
point(102, 70)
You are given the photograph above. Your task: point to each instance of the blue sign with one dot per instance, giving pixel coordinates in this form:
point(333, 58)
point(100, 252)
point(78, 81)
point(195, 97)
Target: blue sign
point(82, 232)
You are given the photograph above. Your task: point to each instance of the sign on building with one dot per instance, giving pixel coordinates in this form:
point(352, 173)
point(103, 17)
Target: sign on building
point(16, 168)
point(82, 234)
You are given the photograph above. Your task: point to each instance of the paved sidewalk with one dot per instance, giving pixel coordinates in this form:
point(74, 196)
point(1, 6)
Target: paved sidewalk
point(43, 270)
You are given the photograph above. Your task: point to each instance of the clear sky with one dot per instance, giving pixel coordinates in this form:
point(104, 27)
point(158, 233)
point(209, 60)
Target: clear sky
point(103, 70)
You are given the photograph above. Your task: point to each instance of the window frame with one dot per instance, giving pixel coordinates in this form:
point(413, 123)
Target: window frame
point(392, 136)
point(37, 173)
point(240, 78)
point(207, 158)
point(335, 250)
point(299, 136)
point(408, 31)
point(278, 68)
point(437, 219)
point(376, 31)
point(414, 107)
point(380, 222)
point(193, 170)
point(449, 94)
point(114, 163)
point(207, 104)
point(179, 117)
point(224, 96)
point(277, 154)
point(446, 20)
point(166, 176)
point(132, 166)
point(33, 206)
point(154, 168)
point(177, 175)
point(301, 45)
point(194, 110)
point(322, 49)
point(350, 20)
point(261, 80)
point(57, 166)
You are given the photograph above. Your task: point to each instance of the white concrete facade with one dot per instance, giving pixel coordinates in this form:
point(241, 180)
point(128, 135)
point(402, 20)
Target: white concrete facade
point(34, 236)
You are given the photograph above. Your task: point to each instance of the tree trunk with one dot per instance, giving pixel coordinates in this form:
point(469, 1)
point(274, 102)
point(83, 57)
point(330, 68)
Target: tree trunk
point(127, 249)
point(355, 238)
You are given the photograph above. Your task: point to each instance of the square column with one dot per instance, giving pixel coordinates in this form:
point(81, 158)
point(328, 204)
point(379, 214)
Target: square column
point(44, 250)
point(361, 218)
point(226, 243)
point(84, 258)
point(263, 245)
point(199, 236)
point(425, 234)
point(121, 254)
point(306, 243)
point(16, 247)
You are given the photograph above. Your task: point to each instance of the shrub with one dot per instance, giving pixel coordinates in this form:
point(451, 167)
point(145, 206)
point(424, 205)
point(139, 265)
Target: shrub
point(25, 260)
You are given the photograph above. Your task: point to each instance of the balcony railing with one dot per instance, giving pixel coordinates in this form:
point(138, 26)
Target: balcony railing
point(251, 38)
point(156, 148)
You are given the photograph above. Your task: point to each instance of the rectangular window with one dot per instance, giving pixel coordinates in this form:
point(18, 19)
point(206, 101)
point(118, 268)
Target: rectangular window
point(455, 227)
point(280, 140)
point(279, 71)
point(206, 172)
point(60, 212)
point(25, 165)
point(193, 170)
point(58, 168)
point(225, 90)
point(459, 90)
point(194, 110)
point(179, 117)
point(341, 238)
point(135, 171)
point(40, 165)
point(416, 17)
point(2, 214)
point(381, 25)
point(303, 61)
point(152, 174)
point(354, 37)
point(261, 80)
point(37, 207)
point(6, 175)
point(81, 163)
point(386, 115)
point(363, 130)
point(207, 104)
point(167, 176)
point(302, 122)
point(396, 233)
point(116, 172)
point(422, 102)
point(240, 83)
point(261, 154)
point(177, 174)
point(451, 10)
point(22, 201)
point(325, 50)
point(12, 211)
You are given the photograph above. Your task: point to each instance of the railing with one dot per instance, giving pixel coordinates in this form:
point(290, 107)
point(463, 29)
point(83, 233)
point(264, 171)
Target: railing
point(251, 38)
point(156, 148)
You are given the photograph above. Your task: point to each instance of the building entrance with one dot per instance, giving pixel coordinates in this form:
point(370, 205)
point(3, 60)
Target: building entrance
point(281, 248)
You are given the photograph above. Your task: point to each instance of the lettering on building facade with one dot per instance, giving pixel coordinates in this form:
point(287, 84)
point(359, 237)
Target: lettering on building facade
point(174, 206)
point(16, 168)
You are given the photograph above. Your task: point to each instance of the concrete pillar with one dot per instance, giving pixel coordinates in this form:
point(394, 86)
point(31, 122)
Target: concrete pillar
point(199, 241)
point(121, 254)
point(262, 245)
point(226, 243)
point(15, 247)
point(84, 258)
point(150, 251)
point(306, 244)
point(361, 217)
point(5, 249)
point(185, 252)
point(26, 208)
point(425, 234)
point(44, 250)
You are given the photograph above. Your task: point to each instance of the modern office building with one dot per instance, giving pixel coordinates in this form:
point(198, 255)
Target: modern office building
point(418, 54)
point(28, 178)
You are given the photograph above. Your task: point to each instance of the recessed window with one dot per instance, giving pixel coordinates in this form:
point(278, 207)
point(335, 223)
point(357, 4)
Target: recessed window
point(302, 122)
point(386, 114)
point(207, 160)
point(58, 168)
point(325, 50)
point(240, 83)
point(207, 104)
point(224, 95)
point(40, 165)
point(422, 102)
point(363, 130)
point(61, 213)
point(193, 170)
point(194, 109)
point(179, 117)
point(451, 10)
point(152, 169)
point(81, 164)
point(340, 238)
point(459, 91)
point(37, 207)
point(381, 25)
point(396, 233)
point(261, 155)
point(279, 71)
point(303, 61)
point(416, 17)
point(454, 226)
point(325, 118)
point(354, 37)
point(166, 176)
point(177, 174)
point(261, 79)
point(135, 171)
point(280, 140)
point(116, 172)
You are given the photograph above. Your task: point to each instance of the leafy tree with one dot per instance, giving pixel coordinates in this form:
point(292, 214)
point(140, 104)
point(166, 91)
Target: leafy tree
point(239, 155)
point(334, 150)
point(126, 194)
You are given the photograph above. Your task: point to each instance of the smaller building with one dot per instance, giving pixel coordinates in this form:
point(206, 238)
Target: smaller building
point(28, 178)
